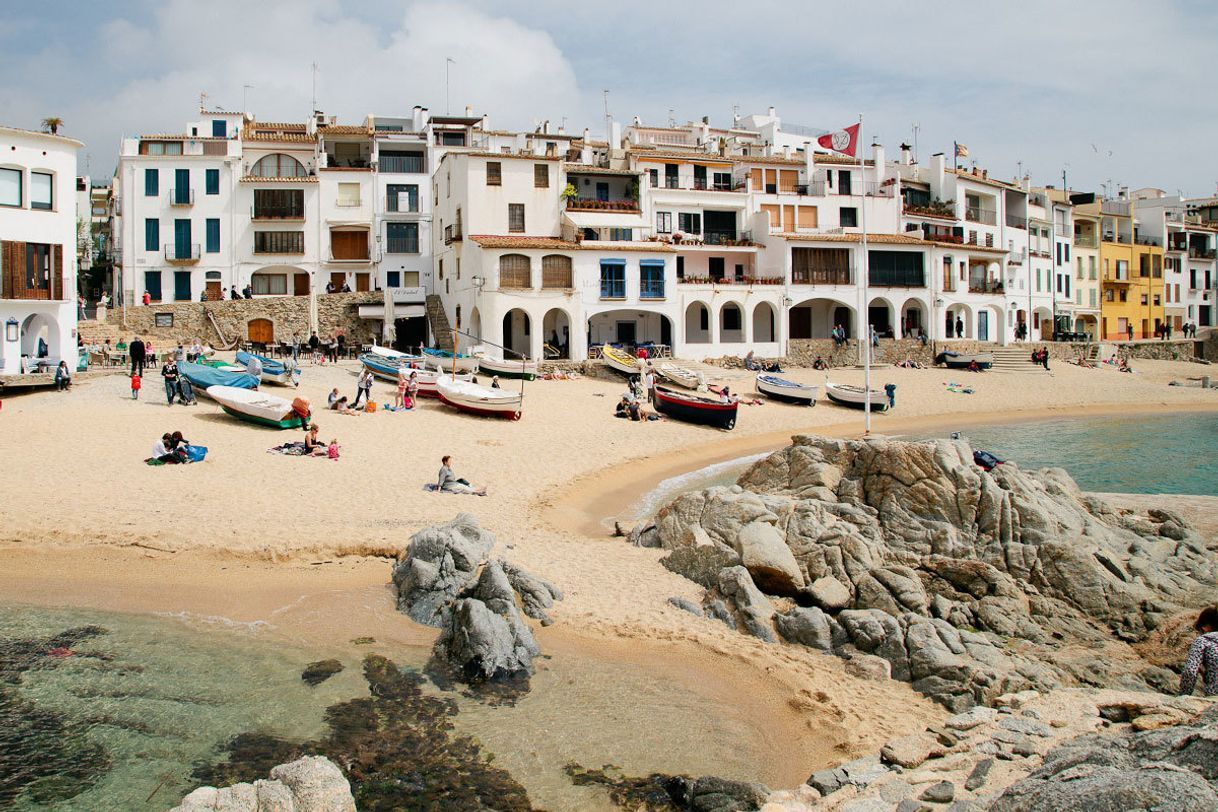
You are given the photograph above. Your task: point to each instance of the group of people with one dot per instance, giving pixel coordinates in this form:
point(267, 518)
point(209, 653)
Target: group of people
point(171, 449)
point(1041, 357)
point(752, 364)
point(314, 447)
point(838, 334)
point(319, 352)
point(1163, 330)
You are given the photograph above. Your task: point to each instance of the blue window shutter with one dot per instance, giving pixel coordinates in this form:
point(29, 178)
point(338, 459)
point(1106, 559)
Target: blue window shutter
point(152, 182)
point(213, 235)
point(213, 181)
point(152, 234)
point(219, 128)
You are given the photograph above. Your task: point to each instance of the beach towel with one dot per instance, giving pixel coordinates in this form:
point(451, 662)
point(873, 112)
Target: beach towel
point(289, 449)
point(196, 453)
point(153, 461)
point(431, 487)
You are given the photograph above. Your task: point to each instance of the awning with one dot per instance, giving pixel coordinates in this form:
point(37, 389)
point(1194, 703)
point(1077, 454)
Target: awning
point(377, 311)
point(605, 219)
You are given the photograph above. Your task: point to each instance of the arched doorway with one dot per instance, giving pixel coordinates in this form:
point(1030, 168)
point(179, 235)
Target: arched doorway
point(516, 332)
point(697, 324)
point(1087, 324)
point(958, 322)
point(261, 331)
point(913, 318)
point(882, 317)
point(629, 328)
point(731, 324)
point(1042, 323)
point(40, 337)
point(556, 333)
point(764, 323)
point(816, 318)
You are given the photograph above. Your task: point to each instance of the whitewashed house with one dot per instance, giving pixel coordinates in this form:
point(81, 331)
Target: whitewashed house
point(38, 243)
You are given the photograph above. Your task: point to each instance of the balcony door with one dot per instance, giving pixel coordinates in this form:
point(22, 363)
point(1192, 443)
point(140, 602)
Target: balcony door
point(181, 239)
point(181, 186)
point(983, 325)
point(181, 286)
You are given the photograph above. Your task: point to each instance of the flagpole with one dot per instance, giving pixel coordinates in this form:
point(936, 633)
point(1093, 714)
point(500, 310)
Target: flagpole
point(866, 333)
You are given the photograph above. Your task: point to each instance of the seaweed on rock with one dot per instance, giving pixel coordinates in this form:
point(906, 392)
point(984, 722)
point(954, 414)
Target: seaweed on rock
point(396, 747)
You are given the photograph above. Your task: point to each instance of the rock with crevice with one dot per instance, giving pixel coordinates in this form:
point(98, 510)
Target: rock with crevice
point(309, 784)
point(439, 563)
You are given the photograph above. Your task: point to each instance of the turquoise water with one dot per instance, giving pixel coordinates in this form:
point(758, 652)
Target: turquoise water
point(1143, 454)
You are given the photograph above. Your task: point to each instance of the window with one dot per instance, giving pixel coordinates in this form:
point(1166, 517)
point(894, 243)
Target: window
point(37, 266)
point(689, 223)
point(654, 176)
point(152, 182)
point(152, 284)
point(213, 235)
point(516, 218)
point(349, 244)
point(212, 182)
point(397, 161)
point(515, 271)
point(664, 222)
point(348, 195)
point(613, 279)
point(651, 279)
point(1157, 302)
point(269, 284)
point(42, 195)
point(1143, 299)
point(556, 271)
point(219, 128)
point(820, 266)
point(278, 204)
point(494, 173)
point(278, 242)
point(541, 176)
point(10, 187)
point(896, 268)
point(393, 279)
point(152, 234)
point(160, 148)
point(402, 238)
point(680, 267)
point(401, 197)
point(849, 217)
point(279, 166)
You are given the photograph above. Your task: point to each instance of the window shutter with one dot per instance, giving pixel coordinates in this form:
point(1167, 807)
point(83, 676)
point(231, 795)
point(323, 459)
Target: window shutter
point(57, 272)
point(806, 217)
point(787, 180)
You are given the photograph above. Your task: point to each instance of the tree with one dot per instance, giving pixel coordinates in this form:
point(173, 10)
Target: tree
point(52, 124)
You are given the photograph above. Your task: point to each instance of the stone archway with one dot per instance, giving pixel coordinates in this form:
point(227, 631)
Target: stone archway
point(765, 323)
point(731, 324)
point(517, 333)
point(697, 323)
point(816, 318)
point(556, 333)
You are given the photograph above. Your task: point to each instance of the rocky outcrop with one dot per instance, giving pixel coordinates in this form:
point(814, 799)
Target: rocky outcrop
point(969, 583)
point(309, 784)
point(445, 578)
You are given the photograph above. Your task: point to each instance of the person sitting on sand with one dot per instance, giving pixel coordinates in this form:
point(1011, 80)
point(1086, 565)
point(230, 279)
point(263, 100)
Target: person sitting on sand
point(448, 482)
point(341, 406)
point(313, 446)
point(973, 366)
point(1123, 365)
point(819, 363)
point(161, 449)
point(1202, 655)
point(749, 363)
point(63, 376)
point(332, 449)
point(332, 398)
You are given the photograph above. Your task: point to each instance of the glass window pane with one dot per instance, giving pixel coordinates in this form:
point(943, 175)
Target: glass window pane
point(41, 191)
point(10, 187)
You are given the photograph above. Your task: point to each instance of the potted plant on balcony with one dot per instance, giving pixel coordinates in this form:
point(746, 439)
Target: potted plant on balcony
point(568, 193)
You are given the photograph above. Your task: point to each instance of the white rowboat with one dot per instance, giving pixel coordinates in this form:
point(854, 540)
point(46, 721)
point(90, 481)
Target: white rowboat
point(477, 399)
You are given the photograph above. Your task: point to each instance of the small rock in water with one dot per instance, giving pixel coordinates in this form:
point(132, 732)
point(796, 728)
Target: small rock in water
point(320, 671)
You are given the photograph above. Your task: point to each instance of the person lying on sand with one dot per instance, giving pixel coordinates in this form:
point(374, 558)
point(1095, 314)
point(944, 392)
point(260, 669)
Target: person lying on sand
point(448, 482)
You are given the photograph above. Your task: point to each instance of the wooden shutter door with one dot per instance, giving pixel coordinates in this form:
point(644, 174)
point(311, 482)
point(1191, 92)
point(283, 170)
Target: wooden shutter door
point(261, 331)
point(57, 272)
point(301, 284)
point(788, 218)
point(758, 184)
point(787, 180)
point(775, 216)
point(806, 217)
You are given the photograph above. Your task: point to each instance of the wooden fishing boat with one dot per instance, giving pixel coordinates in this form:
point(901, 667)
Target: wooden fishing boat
point(256, 407)
point(387, 370)
point(953, 360)
point(681, 376)
point(443, 359)
point(854, 396)
point(509, 368)
point(481, 400)
point(396, 355)
point(620, 361)
point(696, 409)
point(272, 371)
point(382, 366)
point(202, 377)
point(778, 388)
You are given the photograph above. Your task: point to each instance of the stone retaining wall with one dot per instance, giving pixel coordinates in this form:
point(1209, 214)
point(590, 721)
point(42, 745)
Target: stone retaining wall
point(288, 314)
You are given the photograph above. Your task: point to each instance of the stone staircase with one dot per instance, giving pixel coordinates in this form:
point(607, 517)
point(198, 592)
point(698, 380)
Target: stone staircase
point(1017, 359)
point(437, 319)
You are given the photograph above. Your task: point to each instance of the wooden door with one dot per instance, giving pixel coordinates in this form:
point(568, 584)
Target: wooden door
point(261, 331)
point(349, 244)
point(214, 292)
point(338, 280)
point(300, 285)
point(361, 282)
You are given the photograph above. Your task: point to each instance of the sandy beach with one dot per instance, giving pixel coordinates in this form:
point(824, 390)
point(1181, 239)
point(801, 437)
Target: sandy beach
point(302, 544)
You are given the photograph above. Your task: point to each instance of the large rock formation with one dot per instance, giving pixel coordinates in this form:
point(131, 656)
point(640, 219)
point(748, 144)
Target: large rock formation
point(309, 784)
point(445, 578)
point(969, 583)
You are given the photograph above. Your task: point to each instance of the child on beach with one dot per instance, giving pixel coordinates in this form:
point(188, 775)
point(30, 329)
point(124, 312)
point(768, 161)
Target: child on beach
point(332, 449)
point(400, 396)
point(136, 383)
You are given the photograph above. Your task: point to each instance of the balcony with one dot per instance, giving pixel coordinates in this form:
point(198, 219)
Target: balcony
point(181, 253)
point(986, 286)
point(1140, 240)
point(1118, 277)
point(401, 203)
point(452, 233)
point(821, 276)
point(946, 211)
point(1017, 257)
point(651, 289)
point(977, 214)
point(1017, 221)
point(593, 204)
point(181, 197)
point(1082, 240)
point(728, 238)
point(283, 213)
point(348, 203)
point(700, 184)
point(1201, 253)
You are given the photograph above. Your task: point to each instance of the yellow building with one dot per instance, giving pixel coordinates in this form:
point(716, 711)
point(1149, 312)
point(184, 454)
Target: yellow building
point(1131, 274)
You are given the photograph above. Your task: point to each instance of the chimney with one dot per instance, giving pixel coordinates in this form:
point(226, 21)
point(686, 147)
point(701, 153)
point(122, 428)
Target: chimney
point(562, 130)
point(985, 173)
point(706, 119)
point(545, 127)
point(938, 166)
point(881, 166)
point(522, 142)
point(735, 120)
point(638, 122)
point(587, 135)
point(906, 155)
point(615, 136)
point(486, 123)
point(469, 111)
point(772, 112)
point(420, 118)
point(786, 152)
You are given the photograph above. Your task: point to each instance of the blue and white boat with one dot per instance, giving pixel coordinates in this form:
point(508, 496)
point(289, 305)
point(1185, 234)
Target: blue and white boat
point(272, 371)
point(387, 370)
point(789, 391)
point(443, 359)
point(202, 376)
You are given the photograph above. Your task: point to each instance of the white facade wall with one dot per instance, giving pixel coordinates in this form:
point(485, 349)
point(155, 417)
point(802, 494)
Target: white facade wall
point(54, 321)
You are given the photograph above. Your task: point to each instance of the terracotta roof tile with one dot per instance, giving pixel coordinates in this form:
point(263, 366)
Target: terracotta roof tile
point(179, 137)
point(846, 160)
point(964, 173)
point(344, 129)
point(288, 137)
point(559, 244)
point(769, 159)
point(277, 125)
point(510, 156)
point(692, 155)
point(585, 169)
point(885, 239)
point(260, 179)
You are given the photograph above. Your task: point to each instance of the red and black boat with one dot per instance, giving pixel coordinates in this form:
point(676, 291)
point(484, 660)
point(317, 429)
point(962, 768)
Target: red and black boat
point(693, 408)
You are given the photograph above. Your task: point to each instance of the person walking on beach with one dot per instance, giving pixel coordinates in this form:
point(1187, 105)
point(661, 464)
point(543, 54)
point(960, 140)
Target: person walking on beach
point(136, 384)
point(296, 347)
point(170, 373)
point(959, 327)
point(138, 353)
point(314, 344)
point(363, 389)
point(449, 483)
point(1202, 654)
point(649, 383)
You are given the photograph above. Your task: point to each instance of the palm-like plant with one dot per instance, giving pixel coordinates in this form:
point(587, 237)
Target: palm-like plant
point(52, 124)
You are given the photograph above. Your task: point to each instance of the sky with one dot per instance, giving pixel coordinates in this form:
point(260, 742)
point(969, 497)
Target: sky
point(1115, 93)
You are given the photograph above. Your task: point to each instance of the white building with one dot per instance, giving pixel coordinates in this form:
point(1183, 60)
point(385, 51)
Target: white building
point(1190, 273)
point(38, 239)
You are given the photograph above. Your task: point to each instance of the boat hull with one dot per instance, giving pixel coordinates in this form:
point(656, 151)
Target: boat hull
point(272, 371)
point(984, 360)
point(293, 422)
point(678, 375)
point(256, 407)
point(509, 369)
point(442, 361)
point(801, 394)
point(700, 411)
point(620, 361)
point(202, 376)
point(854, 400)
point(478, 400)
